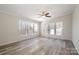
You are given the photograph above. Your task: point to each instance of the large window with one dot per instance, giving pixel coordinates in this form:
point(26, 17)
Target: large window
point(27, 28)
point(55, 28)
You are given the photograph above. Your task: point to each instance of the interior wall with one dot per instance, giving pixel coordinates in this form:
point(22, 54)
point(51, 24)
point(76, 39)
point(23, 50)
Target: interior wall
point(67, 33)
point(9, 29)
point(75, 28)
point(0, 29)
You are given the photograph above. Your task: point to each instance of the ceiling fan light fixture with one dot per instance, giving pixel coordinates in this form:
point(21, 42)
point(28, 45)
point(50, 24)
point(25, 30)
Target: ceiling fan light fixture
point(45, 13)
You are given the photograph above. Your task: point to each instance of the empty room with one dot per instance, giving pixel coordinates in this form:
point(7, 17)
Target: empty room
point(39, 29)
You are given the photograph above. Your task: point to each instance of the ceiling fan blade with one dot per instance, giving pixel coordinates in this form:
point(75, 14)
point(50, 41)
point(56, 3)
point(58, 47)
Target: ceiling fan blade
point(48, 16)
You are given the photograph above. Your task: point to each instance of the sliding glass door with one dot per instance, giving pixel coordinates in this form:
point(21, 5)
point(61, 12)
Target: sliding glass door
point(55, 28)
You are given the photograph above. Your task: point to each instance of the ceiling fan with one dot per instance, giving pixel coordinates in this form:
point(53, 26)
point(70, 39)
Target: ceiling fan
point(45, 13)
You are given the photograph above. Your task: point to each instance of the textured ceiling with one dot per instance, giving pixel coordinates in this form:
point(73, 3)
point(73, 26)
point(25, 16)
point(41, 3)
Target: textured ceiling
point(31, 10)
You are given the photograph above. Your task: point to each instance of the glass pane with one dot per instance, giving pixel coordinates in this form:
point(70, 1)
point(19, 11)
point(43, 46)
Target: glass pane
point(30, 28)
point(52, 29)
point(35, 28)
point(22, 27)
point(59, 28)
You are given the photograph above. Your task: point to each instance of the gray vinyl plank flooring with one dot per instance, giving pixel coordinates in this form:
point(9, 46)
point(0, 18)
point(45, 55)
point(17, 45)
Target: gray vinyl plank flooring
point(40, 46)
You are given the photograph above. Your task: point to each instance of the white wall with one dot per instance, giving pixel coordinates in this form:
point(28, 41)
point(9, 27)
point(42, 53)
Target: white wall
point(67, 32)
point(75, 28)
point(9, 29)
